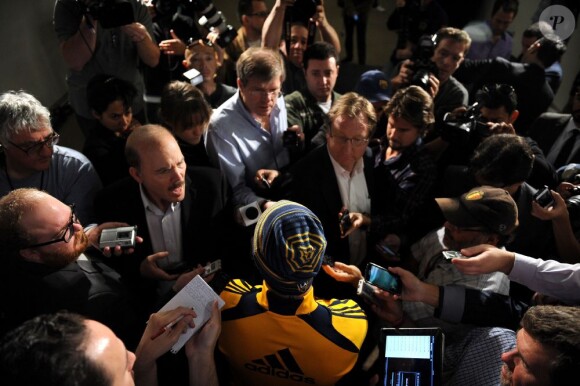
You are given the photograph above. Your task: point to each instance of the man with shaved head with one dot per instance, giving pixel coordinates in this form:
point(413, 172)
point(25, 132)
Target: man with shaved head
point(178, 211)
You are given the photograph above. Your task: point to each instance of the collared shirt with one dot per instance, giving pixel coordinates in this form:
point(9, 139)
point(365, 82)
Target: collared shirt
point(482, 45)
point(435, 269)
point(561, 140)
point(70, 178)
point(164, 230)
point(355, 197)
point(548, 277)
point(240, 146)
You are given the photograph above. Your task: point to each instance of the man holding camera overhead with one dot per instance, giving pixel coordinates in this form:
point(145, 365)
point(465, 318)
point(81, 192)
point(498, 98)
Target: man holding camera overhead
point(104, 37)
point(294, 22)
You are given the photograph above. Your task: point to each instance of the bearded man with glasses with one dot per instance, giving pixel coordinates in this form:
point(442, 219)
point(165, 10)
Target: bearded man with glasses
point(30, 157)
point(45, 268)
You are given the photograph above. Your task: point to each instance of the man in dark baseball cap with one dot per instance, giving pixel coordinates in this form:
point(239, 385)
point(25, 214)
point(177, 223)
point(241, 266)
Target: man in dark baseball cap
point(484, 209)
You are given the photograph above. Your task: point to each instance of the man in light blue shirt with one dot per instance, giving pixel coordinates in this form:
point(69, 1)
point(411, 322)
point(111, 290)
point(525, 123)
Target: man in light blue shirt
point(246, 132)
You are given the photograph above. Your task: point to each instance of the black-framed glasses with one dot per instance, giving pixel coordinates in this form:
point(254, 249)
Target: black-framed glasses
point(36, 147)
point(67, 233)
point(343, 141)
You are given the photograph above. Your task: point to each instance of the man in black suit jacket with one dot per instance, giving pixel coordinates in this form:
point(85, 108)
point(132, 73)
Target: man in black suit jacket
point(182, 216)
point(321, 181)
point(527, 78)
point(551, 131)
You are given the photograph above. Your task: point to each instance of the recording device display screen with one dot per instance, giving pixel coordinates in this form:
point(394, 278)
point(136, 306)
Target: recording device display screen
point(411, 357)
point(382, 278)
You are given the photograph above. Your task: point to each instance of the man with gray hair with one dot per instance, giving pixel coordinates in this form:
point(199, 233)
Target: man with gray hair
point(246, 132)
point(30, 158)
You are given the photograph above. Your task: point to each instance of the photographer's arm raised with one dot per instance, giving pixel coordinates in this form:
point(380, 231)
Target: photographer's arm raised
point(327, 31)
point(78, 49)
point(566, 242)
point(147, 50)
point(273, 26)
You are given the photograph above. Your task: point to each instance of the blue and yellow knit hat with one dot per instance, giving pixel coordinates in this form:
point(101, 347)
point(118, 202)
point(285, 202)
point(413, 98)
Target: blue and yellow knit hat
point(288, 246)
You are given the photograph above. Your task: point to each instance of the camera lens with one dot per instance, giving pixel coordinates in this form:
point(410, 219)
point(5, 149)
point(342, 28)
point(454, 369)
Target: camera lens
point(252, 213)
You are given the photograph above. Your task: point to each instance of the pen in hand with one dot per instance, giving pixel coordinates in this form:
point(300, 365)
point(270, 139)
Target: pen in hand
point(167, 327)
point(265, 181)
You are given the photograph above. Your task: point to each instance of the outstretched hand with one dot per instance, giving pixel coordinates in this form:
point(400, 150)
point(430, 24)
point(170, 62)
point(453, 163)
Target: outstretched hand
point(484, 259)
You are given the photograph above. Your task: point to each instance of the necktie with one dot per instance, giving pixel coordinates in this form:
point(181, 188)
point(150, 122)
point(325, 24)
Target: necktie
point(564, 154)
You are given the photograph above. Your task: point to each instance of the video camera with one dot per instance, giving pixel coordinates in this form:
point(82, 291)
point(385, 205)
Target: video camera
point(111, 13)
point(423, 66)
point(214, 20)
point(469, 122)
point(301, 12)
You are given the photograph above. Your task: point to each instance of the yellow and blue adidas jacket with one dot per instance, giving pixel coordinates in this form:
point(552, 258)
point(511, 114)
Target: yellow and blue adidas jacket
point(268, 340)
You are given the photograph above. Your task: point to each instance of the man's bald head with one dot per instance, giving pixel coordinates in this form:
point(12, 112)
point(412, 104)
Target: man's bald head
point(142, 139)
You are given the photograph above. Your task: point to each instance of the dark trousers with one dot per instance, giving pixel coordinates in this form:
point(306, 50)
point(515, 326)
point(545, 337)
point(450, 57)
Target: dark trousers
point(360, 21)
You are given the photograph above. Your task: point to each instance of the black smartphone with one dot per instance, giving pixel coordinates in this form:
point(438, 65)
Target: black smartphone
point(544, 197)
point(327, 260)
point(385, 250)
point(382, 278)
point(345, 222)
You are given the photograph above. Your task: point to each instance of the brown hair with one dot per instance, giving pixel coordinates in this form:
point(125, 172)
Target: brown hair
point(262, 63)
point(182, 106)
point(353, 105)
point(413, 104)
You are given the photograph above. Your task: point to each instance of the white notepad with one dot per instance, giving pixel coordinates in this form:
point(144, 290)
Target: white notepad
point(197, 294)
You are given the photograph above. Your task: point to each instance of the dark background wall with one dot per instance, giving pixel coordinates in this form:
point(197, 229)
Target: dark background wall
point(31, 60)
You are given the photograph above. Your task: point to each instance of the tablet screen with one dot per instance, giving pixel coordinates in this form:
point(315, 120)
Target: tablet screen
point(411, 356)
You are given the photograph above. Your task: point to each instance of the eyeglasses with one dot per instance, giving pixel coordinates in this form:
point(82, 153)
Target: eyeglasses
point(67, 234)
point(356, 142)
point(36, 147)
point(274, 94)
point(260, 14)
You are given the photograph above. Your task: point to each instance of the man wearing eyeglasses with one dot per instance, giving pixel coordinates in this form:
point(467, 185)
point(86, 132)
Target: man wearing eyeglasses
point(43, 245)
point(29, 156)
point(252, 14)
point(246, 132)
point(335, 177)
